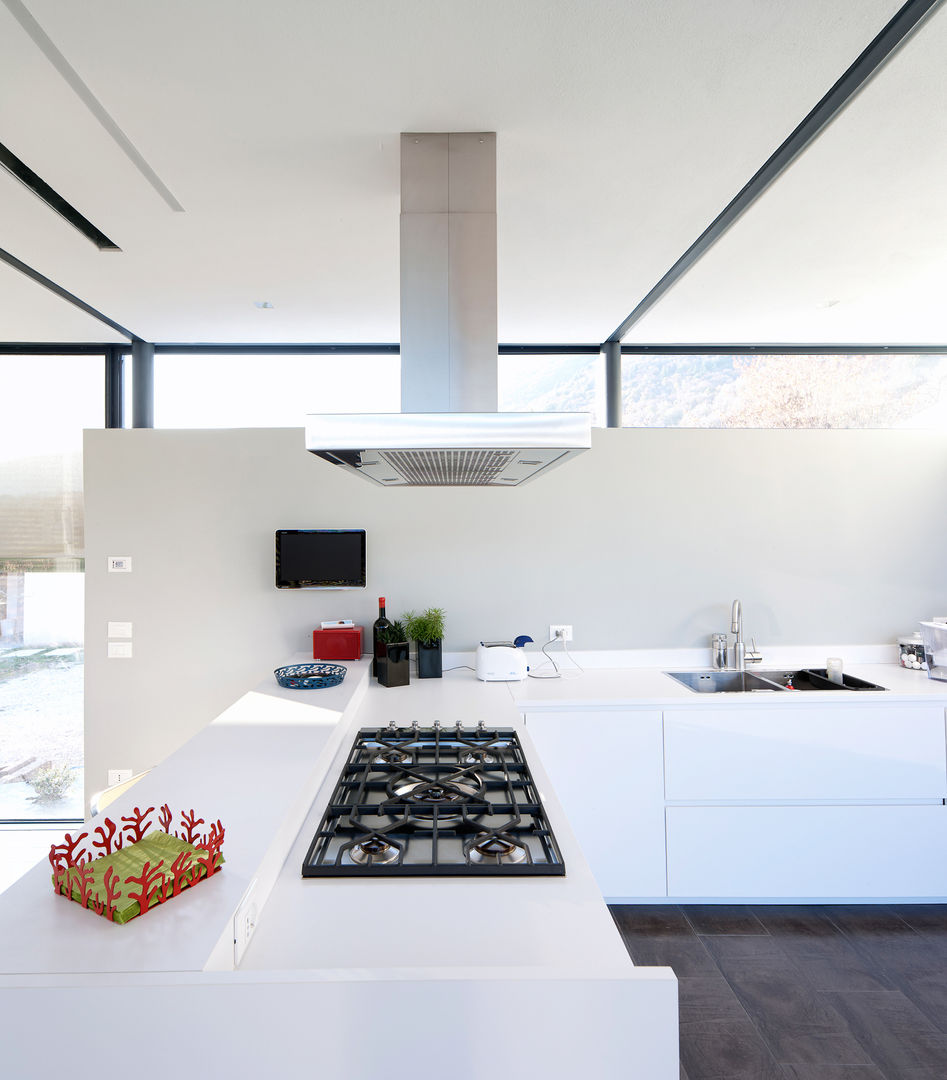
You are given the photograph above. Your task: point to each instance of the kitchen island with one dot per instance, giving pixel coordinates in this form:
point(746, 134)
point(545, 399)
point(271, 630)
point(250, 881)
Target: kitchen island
point(259, 970)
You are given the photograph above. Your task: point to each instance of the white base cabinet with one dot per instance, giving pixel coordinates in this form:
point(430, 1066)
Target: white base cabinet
point(821, 752)
point(807, 852)
point(607, 770)
point(792, 801)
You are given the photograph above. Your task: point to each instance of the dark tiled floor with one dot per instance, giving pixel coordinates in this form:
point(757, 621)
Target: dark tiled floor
point(844, 992)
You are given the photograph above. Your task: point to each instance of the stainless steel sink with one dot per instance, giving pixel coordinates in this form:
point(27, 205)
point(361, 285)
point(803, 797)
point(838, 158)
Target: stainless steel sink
point(742, 682)
point(724, 682)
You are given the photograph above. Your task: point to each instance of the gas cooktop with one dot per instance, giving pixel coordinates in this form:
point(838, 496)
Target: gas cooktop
point(434, 801)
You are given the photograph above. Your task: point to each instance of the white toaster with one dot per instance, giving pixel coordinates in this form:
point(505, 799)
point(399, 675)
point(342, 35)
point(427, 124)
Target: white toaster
point(500, 661)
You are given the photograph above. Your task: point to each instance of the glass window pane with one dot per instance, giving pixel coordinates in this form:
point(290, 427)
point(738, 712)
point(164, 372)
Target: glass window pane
point(48, 401)
point(270, 391)
point(553, 384)
point(853, 390)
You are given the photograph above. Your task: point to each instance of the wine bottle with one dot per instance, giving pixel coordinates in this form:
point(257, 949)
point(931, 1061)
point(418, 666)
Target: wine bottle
point(379, 626)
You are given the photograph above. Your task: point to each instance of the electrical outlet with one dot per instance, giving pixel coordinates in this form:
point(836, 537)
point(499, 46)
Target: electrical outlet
point(119, 776)
point(561, 631)
point(244, 922)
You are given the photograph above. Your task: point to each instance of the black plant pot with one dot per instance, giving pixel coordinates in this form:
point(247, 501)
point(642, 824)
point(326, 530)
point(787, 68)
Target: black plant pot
point(395, 669)
point(429, 660)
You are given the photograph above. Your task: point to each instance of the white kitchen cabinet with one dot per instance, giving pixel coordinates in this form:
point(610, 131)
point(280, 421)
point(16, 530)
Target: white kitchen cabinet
point(807, 852)
point(825, 801)
point(806, 752)
point(607, 769)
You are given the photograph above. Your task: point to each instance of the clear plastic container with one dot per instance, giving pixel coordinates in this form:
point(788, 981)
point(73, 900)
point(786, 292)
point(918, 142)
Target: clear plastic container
point(911, 652)
point(935, 649)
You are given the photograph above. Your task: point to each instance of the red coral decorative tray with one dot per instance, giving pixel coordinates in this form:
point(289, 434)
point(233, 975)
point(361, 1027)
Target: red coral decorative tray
point(128, 876)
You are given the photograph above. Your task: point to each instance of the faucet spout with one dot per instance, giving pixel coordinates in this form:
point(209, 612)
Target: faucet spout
point(736, 628)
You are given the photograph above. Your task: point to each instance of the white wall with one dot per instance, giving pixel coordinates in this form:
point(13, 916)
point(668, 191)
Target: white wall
point(826, 536)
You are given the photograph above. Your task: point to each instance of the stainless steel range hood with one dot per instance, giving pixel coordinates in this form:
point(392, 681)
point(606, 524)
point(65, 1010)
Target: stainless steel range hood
point(449, 432)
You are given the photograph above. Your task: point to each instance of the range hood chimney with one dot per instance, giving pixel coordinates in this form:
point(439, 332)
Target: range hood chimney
point(448, 432)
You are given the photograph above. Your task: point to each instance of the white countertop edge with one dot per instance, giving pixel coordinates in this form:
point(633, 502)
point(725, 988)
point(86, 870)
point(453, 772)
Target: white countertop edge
point(538, 973)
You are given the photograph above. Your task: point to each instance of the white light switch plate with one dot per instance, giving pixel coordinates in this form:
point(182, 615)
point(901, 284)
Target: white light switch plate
point(120, 564)
point(120, 629)
point(120, 650)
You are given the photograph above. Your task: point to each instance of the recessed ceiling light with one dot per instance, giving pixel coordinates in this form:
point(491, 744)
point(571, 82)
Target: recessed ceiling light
point(262, 304)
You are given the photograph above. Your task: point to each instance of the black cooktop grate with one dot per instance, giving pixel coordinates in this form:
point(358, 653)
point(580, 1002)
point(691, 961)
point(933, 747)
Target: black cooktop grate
point(434, 801)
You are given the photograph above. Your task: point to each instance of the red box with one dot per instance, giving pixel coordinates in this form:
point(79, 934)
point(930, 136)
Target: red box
point(340, 643)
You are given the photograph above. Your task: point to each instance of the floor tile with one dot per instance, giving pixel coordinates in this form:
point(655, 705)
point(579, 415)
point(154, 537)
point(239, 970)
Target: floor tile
point(650, 918)
point(708, 998)
point(686, 955)
point(823, 954)
point(901, 1040)
point(797, 1024)
point(723, 919)
point(734, 1051)
point(930, 918)
point(866, 919)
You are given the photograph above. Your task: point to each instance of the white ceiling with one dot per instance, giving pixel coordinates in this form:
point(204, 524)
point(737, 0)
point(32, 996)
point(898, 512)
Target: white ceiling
point(623, 128)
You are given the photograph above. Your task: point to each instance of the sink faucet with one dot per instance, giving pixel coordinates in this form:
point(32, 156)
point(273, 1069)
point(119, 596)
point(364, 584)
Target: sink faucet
point(736, 627)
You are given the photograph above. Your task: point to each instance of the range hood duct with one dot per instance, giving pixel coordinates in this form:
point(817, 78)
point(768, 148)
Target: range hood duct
point(449, 432)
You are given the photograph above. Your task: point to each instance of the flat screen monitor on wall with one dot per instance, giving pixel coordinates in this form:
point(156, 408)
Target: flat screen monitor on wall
point(320, 558)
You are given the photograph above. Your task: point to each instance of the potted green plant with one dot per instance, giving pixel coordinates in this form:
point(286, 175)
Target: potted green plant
point(394, 668)
point(427, 630)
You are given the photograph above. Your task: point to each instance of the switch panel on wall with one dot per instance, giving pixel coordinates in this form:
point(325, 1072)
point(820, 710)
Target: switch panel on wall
point(120, 630)
point(120, 564)
point(120, 650)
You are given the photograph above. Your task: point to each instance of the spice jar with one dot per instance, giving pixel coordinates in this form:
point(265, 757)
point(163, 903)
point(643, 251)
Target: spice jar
point(911, 650)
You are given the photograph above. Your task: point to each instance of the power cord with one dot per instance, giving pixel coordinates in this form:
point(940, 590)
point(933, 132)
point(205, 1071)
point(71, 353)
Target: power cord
point(556, 673)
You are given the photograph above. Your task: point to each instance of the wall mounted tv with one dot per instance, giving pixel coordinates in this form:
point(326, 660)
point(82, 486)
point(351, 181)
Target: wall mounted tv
point(320, 558)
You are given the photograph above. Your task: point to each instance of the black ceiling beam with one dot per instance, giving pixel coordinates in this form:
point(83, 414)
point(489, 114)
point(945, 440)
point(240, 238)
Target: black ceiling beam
point(48, 283)
point(811, 349)
point(55, 201)
point(57, 348)
point(894, 33)
point(275, 348)
point(100, 348)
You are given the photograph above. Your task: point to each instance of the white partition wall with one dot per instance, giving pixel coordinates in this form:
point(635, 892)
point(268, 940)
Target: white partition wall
point(643, 542)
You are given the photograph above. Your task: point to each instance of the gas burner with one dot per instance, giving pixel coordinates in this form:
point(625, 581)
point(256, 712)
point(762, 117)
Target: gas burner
point(493, 848)
point(456, 787)
point(444, 791)
point(391, 756)
point(483, 755)
point(476, 757)
point(374, 852)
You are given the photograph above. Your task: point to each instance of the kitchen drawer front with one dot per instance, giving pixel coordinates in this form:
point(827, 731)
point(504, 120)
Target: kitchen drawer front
point(607, 770)
point(840, 752)
point(807, 852)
